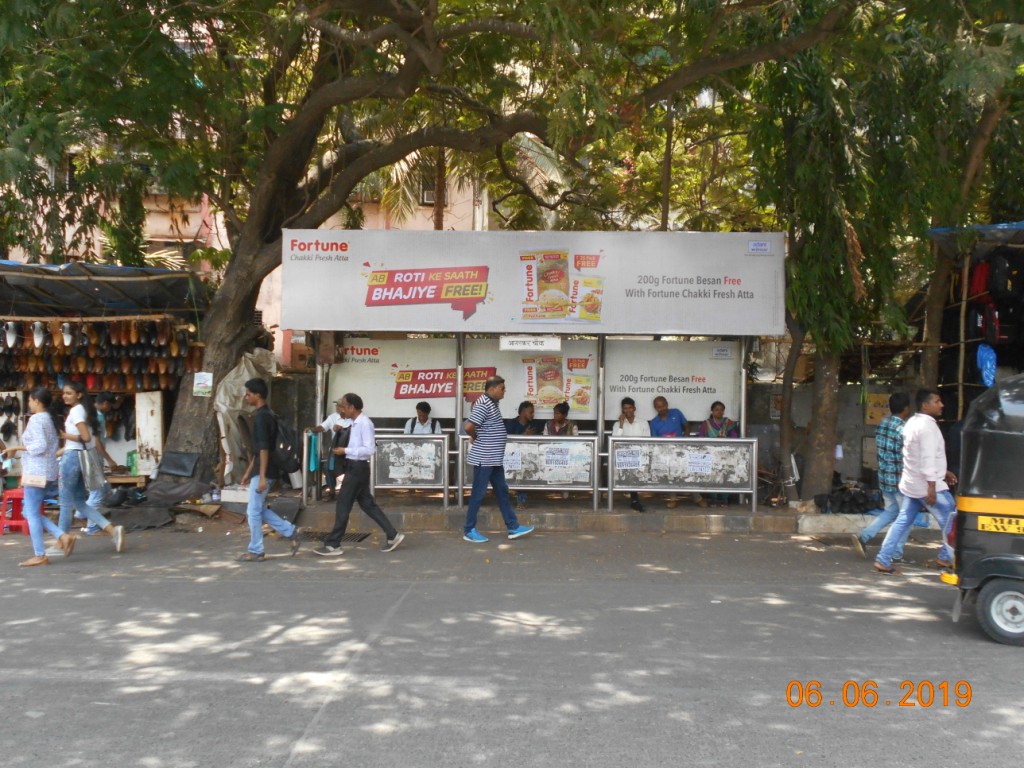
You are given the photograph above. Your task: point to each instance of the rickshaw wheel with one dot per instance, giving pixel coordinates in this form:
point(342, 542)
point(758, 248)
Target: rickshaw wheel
point(1001, 610)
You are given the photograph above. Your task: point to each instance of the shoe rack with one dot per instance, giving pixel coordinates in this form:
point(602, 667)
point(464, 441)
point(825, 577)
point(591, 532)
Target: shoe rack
point(124, 354)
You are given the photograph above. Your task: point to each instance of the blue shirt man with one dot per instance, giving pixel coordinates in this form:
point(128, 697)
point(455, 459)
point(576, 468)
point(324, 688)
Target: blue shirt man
point(488, 435)
point(670, 422)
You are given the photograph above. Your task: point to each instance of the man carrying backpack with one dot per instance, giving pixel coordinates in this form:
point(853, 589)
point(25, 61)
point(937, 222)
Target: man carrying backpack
point(264, 439)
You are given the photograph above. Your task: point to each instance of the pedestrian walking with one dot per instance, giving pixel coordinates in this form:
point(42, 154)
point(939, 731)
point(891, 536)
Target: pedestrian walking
point(264, 438)
point(39, 475)
point(889, 447)
point(79, 427)
point(924, 482)
point(487, 437)
point(355, 487)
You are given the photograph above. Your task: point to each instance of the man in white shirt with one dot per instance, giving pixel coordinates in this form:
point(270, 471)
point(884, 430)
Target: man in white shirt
point(334, 426)
point(422, 424)
point(355, 487)
point(629, 425)
point(924, 482)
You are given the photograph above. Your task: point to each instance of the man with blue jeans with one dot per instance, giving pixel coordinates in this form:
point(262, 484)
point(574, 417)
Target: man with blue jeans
point(487, 437)
point(889, 446)
point(924, 482)
point(264, 436)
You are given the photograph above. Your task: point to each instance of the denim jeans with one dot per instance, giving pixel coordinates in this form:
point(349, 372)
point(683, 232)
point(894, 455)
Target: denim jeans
point(893, 501)
point(32, 509)
point(259, 513)
point(73, 494)
point(943, 510)
point(495, 477)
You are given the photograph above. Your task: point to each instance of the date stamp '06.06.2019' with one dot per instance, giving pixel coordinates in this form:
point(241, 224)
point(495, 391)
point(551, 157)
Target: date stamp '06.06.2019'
point(855, 693)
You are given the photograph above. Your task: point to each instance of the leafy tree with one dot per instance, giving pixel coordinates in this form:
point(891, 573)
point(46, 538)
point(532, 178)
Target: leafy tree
point(279, 110)
point(860, 146)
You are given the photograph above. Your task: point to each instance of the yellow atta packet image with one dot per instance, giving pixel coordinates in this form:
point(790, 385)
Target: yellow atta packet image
point(545, 284)
point(578, 391)
point(586, 296)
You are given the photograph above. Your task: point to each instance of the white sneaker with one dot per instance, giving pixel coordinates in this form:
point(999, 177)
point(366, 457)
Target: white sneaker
point(118, 537)
point(392, 544)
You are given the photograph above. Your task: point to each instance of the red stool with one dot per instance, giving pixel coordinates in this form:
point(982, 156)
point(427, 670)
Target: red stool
point(11, 510)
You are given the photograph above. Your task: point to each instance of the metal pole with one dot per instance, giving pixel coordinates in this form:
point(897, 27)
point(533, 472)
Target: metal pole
point(460, 372)
point(600, 426)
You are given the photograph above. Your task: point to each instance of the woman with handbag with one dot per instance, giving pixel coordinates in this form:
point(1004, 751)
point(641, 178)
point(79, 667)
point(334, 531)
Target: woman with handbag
point(79, 461)
point(39, 475)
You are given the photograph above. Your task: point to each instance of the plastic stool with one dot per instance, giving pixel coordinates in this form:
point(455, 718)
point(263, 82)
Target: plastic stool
point(11, 510)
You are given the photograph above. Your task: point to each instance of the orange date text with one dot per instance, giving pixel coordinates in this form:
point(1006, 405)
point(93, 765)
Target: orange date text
point(856, 693)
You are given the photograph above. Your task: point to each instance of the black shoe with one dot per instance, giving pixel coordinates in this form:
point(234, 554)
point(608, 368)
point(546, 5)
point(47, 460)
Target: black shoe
point(636, 505)
point(328, 551)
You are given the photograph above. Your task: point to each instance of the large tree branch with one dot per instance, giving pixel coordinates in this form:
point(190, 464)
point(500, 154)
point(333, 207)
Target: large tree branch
point(386, 154)
point(830, 24)
point(991, 114)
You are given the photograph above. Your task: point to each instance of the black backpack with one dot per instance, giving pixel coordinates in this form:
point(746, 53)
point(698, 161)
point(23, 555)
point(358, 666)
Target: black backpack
point(287, 453)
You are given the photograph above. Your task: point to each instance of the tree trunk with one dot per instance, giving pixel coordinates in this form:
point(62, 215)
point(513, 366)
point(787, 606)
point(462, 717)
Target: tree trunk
point(824, 412)
point(666, 168)
point(938, 288)
point(934, 304)
point(227, 332)
point(797, 335)
point(440, 189)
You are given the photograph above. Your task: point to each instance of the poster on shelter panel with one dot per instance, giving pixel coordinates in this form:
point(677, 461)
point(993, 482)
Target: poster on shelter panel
point(392, 375)
point(534, 282)
point(689, 375)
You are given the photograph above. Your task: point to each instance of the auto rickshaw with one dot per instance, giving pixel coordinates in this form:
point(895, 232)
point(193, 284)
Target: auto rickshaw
point(988, 534)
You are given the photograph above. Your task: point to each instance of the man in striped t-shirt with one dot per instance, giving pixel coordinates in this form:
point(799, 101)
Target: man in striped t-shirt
point(487, 437)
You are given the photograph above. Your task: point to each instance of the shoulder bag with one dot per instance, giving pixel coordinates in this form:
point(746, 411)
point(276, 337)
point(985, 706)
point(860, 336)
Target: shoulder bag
point(92, 468)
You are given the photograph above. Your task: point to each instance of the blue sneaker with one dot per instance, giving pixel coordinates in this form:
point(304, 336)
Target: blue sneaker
point(475, 537)
point(520, 530)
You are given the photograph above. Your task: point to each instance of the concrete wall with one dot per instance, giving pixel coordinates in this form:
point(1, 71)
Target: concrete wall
point(851, 429)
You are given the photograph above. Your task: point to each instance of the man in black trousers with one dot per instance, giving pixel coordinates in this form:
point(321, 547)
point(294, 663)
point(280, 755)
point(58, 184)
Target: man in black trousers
point(356, 484)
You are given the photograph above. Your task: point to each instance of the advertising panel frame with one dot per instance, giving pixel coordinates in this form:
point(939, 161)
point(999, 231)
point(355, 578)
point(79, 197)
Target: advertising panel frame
point(674, 453)
point(594, 470)
point(382, 461)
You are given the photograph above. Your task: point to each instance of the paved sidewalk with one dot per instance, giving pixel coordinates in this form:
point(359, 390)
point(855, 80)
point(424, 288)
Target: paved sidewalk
point(558, 649)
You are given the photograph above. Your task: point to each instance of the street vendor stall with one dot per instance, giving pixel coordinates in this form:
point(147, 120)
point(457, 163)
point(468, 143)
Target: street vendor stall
point(126, 331)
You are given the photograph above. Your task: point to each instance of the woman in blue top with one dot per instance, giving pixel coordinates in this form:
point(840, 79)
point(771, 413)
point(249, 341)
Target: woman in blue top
point(39, 475)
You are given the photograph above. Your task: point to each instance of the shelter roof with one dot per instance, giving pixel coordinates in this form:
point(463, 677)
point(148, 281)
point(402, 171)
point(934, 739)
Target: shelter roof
point(80, 289)
point(977, 240)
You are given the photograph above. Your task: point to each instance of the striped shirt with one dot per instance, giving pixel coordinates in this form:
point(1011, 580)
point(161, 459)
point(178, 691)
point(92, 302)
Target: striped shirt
point(488, 447)
point(889, 444)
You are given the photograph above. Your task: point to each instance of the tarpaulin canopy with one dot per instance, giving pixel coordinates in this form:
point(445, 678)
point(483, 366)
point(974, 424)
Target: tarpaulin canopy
point(98, 290)
point(978, 240)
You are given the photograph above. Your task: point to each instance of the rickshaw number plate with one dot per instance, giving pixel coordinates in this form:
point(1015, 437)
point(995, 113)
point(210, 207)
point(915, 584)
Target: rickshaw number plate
point(1014, 525)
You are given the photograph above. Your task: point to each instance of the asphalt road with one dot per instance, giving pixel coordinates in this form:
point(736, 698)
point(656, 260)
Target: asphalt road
point(554, 650)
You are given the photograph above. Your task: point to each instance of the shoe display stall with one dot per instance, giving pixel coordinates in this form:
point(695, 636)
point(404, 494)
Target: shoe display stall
point(129, 332)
